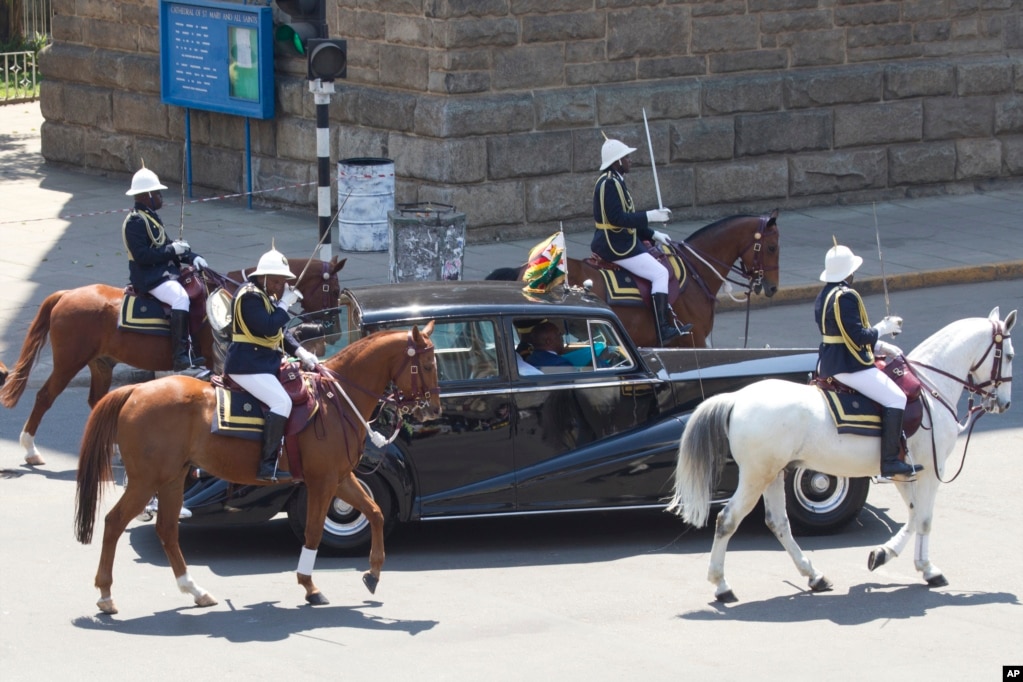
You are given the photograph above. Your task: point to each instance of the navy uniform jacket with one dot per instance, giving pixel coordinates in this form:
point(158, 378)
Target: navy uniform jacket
point(848, 340)
point(151, 259)
point(258, 335)
point(620, 228)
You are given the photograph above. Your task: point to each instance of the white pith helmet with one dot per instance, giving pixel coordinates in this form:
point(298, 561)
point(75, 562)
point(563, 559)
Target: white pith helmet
point(612, 151)
point(839, 263)
point(272, 263)
point(144, 181)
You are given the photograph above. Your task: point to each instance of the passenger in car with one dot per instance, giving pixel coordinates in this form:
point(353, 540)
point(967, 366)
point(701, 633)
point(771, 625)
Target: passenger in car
point(548, 345)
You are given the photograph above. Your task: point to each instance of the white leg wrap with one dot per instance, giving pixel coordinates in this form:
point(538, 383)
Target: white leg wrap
point(188, 586)
point(922, 548)
point(306, 561)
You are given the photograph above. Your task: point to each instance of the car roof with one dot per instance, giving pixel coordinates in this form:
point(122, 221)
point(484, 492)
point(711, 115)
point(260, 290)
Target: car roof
point(436, 300)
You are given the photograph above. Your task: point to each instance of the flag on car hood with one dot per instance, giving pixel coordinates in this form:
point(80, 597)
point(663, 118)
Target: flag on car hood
point(546, 265)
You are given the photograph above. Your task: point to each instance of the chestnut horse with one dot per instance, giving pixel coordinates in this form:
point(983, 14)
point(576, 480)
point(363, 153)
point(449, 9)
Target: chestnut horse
point(83, 331)
point(162, 428)
point(709, 255)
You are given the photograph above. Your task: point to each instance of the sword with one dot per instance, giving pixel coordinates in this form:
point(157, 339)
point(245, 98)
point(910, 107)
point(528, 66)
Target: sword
point(880, 257)
point(653, 166)
point(323, 236)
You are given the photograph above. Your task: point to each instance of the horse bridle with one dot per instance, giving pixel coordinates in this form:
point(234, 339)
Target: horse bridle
point(973, 413)
point(421, 394)
point(996, 351)
point(753, 275)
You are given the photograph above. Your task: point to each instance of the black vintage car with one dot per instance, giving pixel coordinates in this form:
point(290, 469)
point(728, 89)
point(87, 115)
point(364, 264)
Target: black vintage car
point(598, 434)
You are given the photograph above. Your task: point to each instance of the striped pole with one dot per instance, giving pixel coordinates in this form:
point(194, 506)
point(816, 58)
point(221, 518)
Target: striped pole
point(321, 92)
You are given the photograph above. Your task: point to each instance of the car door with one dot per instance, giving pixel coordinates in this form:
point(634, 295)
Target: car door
point(599, 435)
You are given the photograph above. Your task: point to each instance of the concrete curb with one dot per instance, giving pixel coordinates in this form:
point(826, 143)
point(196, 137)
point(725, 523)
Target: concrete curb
point(875, 285)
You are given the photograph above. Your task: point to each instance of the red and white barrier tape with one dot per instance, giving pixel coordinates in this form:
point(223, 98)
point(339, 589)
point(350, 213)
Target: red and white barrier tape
point(127, 210)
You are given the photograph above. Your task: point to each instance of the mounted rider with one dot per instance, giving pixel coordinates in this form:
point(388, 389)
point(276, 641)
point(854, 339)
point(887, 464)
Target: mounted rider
point(621, 230)
point(847, 353)
point(259, 339)
point(154, 262)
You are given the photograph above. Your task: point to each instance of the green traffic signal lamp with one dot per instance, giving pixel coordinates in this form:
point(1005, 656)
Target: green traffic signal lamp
point(296, 35)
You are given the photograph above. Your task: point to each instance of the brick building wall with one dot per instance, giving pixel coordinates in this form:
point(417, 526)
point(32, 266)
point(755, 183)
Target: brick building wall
point(498, 106)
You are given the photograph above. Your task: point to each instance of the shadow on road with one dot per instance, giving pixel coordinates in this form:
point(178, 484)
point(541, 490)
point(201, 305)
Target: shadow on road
point(262, 622)
point(862, 604)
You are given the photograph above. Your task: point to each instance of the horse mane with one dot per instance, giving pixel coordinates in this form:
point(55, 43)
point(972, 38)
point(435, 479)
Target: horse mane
point(952, 336)
point(715, 225)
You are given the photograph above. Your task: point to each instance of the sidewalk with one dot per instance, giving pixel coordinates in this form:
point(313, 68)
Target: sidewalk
point(62, 230)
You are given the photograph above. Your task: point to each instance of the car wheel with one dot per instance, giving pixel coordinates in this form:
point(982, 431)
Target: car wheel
point(345, 530)
point(818, 504)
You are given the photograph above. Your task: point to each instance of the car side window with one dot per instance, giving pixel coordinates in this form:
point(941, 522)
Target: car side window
point(465, 350)
point(557, 346)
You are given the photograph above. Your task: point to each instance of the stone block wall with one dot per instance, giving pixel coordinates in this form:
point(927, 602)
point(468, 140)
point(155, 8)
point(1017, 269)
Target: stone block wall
point(498, 106)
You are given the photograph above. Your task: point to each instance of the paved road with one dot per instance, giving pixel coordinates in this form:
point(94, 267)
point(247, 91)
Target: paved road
point(593, 597)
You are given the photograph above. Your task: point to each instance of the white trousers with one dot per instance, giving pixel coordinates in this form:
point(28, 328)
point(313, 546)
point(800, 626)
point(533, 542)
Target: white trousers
point(268, 389)
point(172, 293)
point(646, 266)
point(876, 385)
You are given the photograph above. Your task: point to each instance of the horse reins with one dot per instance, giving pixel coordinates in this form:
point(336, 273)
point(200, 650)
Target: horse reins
point(974, 412)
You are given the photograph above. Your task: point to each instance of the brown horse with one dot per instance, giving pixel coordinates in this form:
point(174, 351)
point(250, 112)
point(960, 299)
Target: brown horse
point(82, 326)
point(162, 428)
point(709, 255)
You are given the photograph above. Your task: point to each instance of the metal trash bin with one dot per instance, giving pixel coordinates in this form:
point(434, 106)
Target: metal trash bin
point(427, 242)
point(365, 193)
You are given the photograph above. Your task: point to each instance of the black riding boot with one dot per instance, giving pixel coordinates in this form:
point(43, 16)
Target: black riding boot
point(273, 432)
point(665, 321)
point(891, 436)
point(179, 340)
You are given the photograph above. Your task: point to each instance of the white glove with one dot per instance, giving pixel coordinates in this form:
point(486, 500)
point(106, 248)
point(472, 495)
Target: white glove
point(662, 238)
point(658, 215)
point(180, 247)
point(200, 263)
point(888, 350)
point(889, 325)
point(307, 359)
point(290, 297)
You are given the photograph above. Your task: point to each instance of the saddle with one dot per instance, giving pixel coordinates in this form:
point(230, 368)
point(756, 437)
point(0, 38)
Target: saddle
point(239, 414)
point(854, 413)
point(148, 315)
point(624, 288)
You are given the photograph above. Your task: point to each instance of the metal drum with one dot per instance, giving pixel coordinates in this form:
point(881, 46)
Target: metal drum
point(365, 193)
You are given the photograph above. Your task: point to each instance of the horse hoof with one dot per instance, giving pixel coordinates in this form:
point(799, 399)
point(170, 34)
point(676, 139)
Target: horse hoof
point(35, 461)
point(107, 606)
point(316, 599)
point(821, 584)
point(877, 558)
point(727, 597)
point(205, 600)
point(371, 582)
point(937, 581)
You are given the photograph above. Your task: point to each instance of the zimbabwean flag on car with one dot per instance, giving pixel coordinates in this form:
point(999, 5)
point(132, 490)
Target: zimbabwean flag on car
point(546, 266)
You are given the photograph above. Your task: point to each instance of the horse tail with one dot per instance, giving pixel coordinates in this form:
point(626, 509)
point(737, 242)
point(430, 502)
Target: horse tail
point(505, 274)
point(701, 454)
point(95, 457)
point(17, 379)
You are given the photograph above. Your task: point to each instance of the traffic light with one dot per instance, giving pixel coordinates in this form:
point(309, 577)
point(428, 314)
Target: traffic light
point(307, 21)
point(305, 32)
point(327, 58)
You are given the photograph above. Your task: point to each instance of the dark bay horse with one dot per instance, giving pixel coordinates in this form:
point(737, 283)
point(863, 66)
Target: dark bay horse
point(743, 245)
point(162, 428)
point(82, 327)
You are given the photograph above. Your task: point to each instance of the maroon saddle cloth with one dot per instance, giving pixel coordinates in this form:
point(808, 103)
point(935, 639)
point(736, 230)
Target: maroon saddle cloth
point(855, 413)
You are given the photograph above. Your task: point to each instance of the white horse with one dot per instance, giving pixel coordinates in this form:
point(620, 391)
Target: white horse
point(773, 424)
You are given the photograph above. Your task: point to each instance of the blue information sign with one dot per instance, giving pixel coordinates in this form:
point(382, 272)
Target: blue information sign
point(217, 56)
